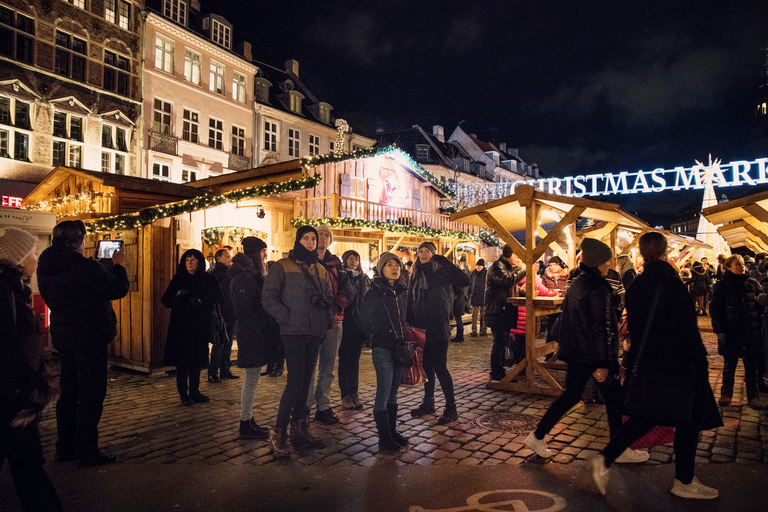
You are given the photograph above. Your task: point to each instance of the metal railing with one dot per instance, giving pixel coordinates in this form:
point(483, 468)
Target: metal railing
point(163, 143)
point(239, 162)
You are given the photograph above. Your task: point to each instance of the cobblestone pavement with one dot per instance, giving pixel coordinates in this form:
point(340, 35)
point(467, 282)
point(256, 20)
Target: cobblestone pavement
point(144, 422)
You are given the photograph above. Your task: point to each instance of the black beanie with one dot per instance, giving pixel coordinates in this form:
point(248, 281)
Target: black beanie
point(480, 262)
point(253, 245)
point(594, 252)
point(303, 230)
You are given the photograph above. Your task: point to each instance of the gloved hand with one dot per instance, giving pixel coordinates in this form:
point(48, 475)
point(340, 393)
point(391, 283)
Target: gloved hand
point(721, 341)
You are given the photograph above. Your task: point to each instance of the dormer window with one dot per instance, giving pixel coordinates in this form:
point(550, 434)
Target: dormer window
point(422, 153)
point(295, 102)
point(176, 10)
point(325, 114)
point(221, 34)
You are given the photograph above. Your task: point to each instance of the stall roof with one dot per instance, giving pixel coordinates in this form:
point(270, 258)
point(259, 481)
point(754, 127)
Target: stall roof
point(742, 222)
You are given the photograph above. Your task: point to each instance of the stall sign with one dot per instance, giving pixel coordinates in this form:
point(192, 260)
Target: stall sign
point(11, 201)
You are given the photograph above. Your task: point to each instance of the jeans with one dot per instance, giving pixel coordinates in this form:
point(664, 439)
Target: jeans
point(321, 394)
point(576, 377)
point(187, 379)
point(478, 311)
point(351, 346)
point(435, 359)
point(388, 377)
point(83, 383)
point(24, 451)
point(221, 355)
point(248, 394)
point(686, 440)
point(300, 358)
point(750, 375)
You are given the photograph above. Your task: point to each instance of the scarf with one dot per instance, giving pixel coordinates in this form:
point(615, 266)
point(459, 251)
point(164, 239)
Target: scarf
point(301, 253)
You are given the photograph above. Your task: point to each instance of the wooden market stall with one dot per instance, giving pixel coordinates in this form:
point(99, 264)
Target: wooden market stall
point(742, 222)
point(530, 209)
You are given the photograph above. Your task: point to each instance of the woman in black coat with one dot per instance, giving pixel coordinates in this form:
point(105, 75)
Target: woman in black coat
point(673, 347)
point(736, 319)
point(191, 296)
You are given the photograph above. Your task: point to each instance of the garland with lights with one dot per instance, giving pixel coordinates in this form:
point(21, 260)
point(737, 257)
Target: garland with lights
point(489, 237)
point(153, 213)
point(386, 226)
point(213, 236)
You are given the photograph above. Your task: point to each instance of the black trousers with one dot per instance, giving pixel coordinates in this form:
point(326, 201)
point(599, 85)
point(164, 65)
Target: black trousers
point(750, 375)
point(435, 362)
point(350, 348)
point(83, 384)
point(576, 377)
point(221, 355)
point(24, 451)
point(686, 440)
point(300, 358)
point(187, 379)
point(500, 342)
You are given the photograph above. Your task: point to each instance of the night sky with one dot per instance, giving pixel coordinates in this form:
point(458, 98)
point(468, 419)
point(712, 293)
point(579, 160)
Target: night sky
point(580, 87)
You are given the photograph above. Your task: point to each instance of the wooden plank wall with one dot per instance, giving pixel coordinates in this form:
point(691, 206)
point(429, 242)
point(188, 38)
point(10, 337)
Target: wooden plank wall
point(73, 185)
point(162, 269)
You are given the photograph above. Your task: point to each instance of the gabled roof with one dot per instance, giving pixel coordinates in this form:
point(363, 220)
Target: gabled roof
point(409, 139)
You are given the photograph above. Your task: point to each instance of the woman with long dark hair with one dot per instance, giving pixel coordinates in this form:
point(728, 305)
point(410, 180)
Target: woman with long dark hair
point(191, 297)
point(352, 336)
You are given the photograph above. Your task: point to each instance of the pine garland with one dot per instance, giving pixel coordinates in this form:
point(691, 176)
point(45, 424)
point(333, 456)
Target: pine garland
point(386, 226)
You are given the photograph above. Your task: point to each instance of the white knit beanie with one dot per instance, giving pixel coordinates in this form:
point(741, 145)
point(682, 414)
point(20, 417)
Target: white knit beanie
point(15, 245)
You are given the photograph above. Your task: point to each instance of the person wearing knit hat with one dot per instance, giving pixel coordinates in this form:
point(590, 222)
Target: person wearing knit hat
point(501, 282)
point(253, 245)
point(16, 246)
point(324, 228)
point(588, 341)
point(507, 251)
point(352, 335)
point(477, 279)
point(429, 246)
point(384, 258)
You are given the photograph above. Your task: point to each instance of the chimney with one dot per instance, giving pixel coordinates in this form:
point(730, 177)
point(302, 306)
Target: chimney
point(503, 147)
point(514, 152)
point(438, 132)
point(247, 51)
point(195, 5)
point(292, 66)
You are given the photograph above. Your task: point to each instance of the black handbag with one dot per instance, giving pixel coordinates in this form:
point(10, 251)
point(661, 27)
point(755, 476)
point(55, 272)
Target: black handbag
point(219, 334)
point(404, 349)
point(666, 399)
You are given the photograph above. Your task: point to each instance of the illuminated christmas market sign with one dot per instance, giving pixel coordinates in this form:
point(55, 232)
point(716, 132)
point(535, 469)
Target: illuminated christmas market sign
point(733, 174)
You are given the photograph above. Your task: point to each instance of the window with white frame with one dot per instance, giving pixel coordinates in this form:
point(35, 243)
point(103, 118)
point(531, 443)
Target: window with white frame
point(356, 147)
point(270, 136)
point(294, 140)
point(164, 54)
point(117, 12)
point(15, 130)
point(314, 145)
point(191, 67)
point(221, 34)
point(217, 77)
point(16, 35)
point(176, 10)
point(215, 133)
point(114, 148)
point(161, 171)
point(191, 125)
point(110, 10)
point(117, 73)
point(238, 87)
point(71, 56)
point(67, 140)
point(238, 140)
point(188, 175)
point(77, 3)
point(161, 122)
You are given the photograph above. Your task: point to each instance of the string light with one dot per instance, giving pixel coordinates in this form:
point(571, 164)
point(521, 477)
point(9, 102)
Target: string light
point(212, 236)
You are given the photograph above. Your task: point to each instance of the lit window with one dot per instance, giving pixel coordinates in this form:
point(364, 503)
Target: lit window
point(117, 73)
point(114, 143)
point(270, 136)
point(15, 113)
point(191, 67)
point(162, 117)
point(71, 57)
point(215, 133)
point(238, 140)
point(176, 10)
point(67, 131)
point(294, 138)
point(187, 175)
point(217, 78)
point(191, 125)
point(314, 145)
point(77, 3)
point(110, 10)
point(16, 35)
point(164, 54)
point(238, 87)
point(221, 34)
point(295, 103)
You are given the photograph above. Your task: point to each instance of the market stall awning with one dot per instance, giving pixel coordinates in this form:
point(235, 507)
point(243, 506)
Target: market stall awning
point(742, 222)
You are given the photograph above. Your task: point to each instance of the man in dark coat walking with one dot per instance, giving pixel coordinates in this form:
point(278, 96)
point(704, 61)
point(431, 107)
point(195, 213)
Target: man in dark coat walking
point(79, 292)
point(477, 297)
point(220, 366)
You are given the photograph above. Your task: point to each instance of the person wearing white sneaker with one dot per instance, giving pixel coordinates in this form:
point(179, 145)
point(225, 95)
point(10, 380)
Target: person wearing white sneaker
point(631, 456)
point(666, 341)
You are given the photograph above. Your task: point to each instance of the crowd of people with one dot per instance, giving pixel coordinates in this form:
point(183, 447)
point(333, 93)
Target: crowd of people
point(305, 311)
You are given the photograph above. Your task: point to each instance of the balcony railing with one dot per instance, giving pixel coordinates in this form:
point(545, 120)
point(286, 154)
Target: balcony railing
point(336, 206)
point(239, 162)
point(163, 143)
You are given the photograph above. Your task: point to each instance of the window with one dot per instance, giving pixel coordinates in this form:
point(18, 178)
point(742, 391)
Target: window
point(270, 136)
point(114, 143)
point(118, 12)
point(221, 34)
point(191, 67)
point(238, 140)
point(176, 10)
point(21, 146)
point(162, 118)
point(77, 3)
point(187, 175)
point(117, 70)
point(21, 118)
point(110, 11)
point(164, 54)
point(161, 171)
point(314, 145)
point(295, 103)
point(293, 142)
point(324, 114)
point(71, 55)
point(215, 133)
point(190, 129)
point(217, 77)
point(422, 153)
point(331, 145)
point(260, 93)
point(67, 132)
point(59, 153)
point(16, 35)
point(355, 147)
point(106, 162)
point(238, 87)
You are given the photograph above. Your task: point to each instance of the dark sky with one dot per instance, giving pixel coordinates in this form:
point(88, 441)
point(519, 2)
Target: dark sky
point(579, 87)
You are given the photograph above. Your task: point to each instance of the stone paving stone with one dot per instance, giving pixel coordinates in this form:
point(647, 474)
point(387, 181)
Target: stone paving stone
point(586, 454)
point(438, 454)
point(469, 461)
point(425, 447)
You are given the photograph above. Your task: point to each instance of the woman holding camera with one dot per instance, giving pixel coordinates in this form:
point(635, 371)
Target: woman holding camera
point(297, 294)
point(191, 297)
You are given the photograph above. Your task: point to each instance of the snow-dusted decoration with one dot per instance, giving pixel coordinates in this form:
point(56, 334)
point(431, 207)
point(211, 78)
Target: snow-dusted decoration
point(710, 175)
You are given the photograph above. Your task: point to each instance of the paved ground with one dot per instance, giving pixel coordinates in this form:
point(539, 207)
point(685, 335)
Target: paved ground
point(160, 442)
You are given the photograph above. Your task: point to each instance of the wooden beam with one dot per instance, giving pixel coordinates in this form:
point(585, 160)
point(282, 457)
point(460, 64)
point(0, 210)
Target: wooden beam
point(634, 242)
point(757, 212)
point(555, 232)
point(448, 253)
point(399, 241)
point(761, 237)
point(542, 234)
point(502, 233)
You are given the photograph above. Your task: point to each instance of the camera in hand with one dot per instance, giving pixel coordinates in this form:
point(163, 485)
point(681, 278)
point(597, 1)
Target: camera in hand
point(320, 300)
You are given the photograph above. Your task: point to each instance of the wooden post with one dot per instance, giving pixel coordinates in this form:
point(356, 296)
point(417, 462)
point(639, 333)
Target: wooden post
point(614, 238)
point(530, 286)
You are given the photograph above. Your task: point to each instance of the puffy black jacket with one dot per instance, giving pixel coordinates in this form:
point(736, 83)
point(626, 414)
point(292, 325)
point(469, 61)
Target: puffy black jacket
point(382, 303)
point(20, 347)
point(501, 280)
point(431, 295)
point(588, 324)
point(737, 314)
point(79, 292)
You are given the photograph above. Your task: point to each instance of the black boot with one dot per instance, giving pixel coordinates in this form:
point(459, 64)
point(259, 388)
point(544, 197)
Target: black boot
point(392, 411)
point(427, 407)
point(386, 443)
point(450, 414)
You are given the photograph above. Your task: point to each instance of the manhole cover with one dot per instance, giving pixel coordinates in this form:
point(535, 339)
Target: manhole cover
point(506, 422)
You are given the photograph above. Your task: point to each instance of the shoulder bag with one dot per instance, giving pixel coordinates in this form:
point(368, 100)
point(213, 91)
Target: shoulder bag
point(404, 349)
point(219, 334)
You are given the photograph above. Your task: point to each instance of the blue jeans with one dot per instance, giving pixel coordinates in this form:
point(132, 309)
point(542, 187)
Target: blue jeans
point(321, 394)
point(388, 377)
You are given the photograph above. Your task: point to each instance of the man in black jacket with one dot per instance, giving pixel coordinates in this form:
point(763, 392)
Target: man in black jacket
point(79, 292)
point(221, 355)
point(477, 297)
point(502, 279)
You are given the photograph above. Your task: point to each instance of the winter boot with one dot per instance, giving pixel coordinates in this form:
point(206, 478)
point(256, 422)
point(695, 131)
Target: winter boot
point(302, 438)
point(450, 414)
point(427, 407)
point(386, 443)
point(392, 411)
point(280, 446)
